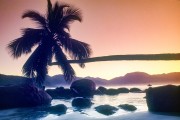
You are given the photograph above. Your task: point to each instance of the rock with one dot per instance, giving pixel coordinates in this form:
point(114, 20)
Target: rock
point(106, 109)
point(59, 89)
point(101, 90)
point(66, 94)
point(112, 92)
point(60, 93)
point(135, 90)
point(83, 88)
point(123, 90)
point(163, 99)
point(81, 102)
point(97, 92)
point(52, 93)
point(23, 95)
point(128, 107)
point(58, 109)
point(10, 80)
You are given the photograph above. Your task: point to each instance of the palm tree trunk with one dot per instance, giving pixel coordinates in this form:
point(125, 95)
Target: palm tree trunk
point(146, 57)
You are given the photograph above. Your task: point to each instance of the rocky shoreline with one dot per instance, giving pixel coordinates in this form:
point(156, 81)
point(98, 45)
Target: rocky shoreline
point(87, 88)
point(160, 99)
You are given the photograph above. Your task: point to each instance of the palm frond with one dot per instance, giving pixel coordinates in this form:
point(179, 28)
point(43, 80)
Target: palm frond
point(49, 6)
point(60, 57)
point(24, 44)
point(58, 10)
point(56, 16)
point(36, 65)
point(70, 14)
point(78, 50)
point(51, 39)
point(37, 17)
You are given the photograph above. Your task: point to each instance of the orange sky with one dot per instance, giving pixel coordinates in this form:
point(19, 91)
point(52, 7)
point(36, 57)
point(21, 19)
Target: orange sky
point(110, 27)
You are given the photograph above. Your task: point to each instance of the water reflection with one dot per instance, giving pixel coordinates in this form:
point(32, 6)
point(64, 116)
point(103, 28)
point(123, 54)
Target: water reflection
point(36, 113)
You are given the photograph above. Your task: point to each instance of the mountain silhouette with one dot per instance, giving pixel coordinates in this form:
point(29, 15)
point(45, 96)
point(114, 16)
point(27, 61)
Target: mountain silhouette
point(134, 78)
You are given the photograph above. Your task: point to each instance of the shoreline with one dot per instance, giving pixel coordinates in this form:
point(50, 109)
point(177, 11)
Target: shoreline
point(129, 116)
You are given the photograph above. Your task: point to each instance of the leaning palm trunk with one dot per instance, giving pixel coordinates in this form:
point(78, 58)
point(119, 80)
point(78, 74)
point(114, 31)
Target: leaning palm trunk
point(127, 57)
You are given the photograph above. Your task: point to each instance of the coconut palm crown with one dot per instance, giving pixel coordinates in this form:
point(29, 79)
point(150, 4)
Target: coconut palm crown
point(52, 39)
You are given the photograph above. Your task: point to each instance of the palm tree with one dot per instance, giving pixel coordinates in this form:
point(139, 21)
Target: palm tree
point(147, 57)
point(52, 39)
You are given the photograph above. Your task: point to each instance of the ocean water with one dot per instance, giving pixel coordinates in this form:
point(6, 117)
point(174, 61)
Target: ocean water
point(37, 113)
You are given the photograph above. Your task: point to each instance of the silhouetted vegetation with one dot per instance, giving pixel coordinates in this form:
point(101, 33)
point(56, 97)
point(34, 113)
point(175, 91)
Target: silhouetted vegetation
point(52, 38)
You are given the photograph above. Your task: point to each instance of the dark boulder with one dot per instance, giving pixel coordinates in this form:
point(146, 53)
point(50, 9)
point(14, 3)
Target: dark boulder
point(81, 103)
point(58, 109)
point(60, 93)
point(10, 80)
point(23, 95)
point(135, 90)
point(52, 93)
point(128, 107)
point(163, 99)
point(106, 109)
point(123, 90)
point(101, 90)
point(112, 92)
point(83, 88)
point(59, 89)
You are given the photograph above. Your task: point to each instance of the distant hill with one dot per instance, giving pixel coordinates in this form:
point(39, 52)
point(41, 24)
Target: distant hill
point(58, 80)
point(98, 81)
point(144, 78)
point(133, 78)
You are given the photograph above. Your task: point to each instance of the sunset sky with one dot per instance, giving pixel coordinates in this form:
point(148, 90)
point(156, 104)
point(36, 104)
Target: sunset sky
point(111, 27)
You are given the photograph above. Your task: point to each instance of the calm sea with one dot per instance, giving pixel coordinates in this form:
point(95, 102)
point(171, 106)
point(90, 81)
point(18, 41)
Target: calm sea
point(136, 99)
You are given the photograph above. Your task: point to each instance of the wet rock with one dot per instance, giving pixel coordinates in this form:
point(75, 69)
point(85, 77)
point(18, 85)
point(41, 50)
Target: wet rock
point(101, 90)
point(112, 92)
point(58, 109)
point(123, 90)
point(135, 90)
point(60, 93)
point(83, 88)
point(52, 93)
point(163, 99)
point(81, 102)
point(106, 109)
point(128, 107)
point(23, 95)
point(66, 93)
point(59, 89)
